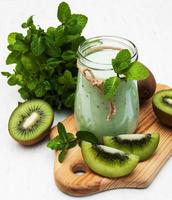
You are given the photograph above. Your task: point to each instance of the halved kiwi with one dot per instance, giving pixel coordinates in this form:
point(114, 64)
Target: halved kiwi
point(107, 161)
point(30, 121)
point(142, 145)
point(162, 106)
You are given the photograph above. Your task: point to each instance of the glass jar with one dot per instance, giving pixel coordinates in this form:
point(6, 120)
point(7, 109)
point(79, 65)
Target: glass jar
point(92, 109)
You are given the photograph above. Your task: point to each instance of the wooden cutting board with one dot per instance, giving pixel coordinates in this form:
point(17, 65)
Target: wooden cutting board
point(70, 180)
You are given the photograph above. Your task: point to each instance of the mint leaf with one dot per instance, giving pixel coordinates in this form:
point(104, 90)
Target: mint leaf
point(62, 155)
point(15, 79)
point(123, 56)
point(51, 49)
point(32, 84)
point(19, 79)
point(76, 24)
point(56, 143)
point(53, 61)
point(63, 12)
point(47, 85)
point(77, 42)
point(28, 23)
point(20, 46)
point(69, 55)
point(24, 93)
point(7, 74)
point(87, 136)
point(120, 68)
point(137, 71)
point(28, 62)
point(72, 141)
point(12, 37)
point(37, 45)
point(62, 132)
point(121, 61)
point(40, 91)
point(70, 137)
point(110, 86)
point(59, 36)
point(80, 19)
point(19, 68)
point(67, 79)
point(71, 38)
point(13, 57)
point(12, 80)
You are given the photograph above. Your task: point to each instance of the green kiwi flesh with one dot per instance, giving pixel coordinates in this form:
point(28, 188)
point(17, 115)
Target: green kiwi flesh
point(107, 161)
point(162, 106)
point(30, 121)
point(142, 145)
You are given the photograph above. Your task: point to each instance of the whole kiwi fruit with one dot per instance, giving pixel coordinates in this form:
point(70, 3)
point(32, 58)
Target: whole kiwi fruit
point(146, 88)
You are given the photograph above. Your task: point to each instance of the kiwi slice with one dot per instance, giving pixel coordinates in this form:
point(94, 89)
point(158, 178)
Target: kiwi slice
point(162, 106)
point(30, 121)
point(107, 161)
point(142, 145)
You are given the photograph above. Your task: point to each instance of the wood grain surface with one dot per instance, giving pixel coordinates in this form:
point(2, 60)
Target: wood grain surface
point(69, 181)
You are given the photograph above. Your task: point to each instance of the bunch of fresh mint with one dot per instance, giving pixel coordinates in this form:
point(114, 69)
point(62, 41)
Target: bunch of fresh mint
point(125, 70)
point(65, 141)
point(46, 60)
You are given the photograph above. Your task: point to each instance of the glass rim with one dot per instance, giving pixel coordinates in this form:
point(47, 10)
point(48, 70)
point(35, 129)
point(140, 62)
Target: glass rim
point(105, 37)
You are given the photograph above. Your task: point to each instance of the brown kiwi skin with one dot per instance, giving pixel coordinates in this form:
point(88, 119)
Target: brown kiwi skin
point(163, 117)
point(146, 88)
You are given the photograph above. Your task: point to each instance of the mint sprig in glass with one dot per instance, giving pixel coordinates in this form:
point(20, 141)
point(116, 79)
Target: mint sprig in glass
point(126, 70)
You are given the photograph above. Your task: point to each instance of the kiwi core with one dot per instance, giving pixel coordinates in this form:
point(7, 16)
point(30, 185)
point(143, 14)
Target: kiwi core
point(110, 150)
point(167, 100)
point(109, 153)
point(31, 120)
point(131, 136)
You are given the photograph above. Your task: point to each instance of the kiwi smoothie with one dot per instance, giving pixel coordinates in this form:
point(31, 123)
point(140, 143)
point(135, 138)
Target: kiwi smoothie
point(91, 106)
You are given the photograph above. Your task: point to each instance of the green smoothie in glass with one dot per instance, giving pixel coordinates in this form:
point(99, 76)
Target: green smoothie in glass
point(91, 107)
